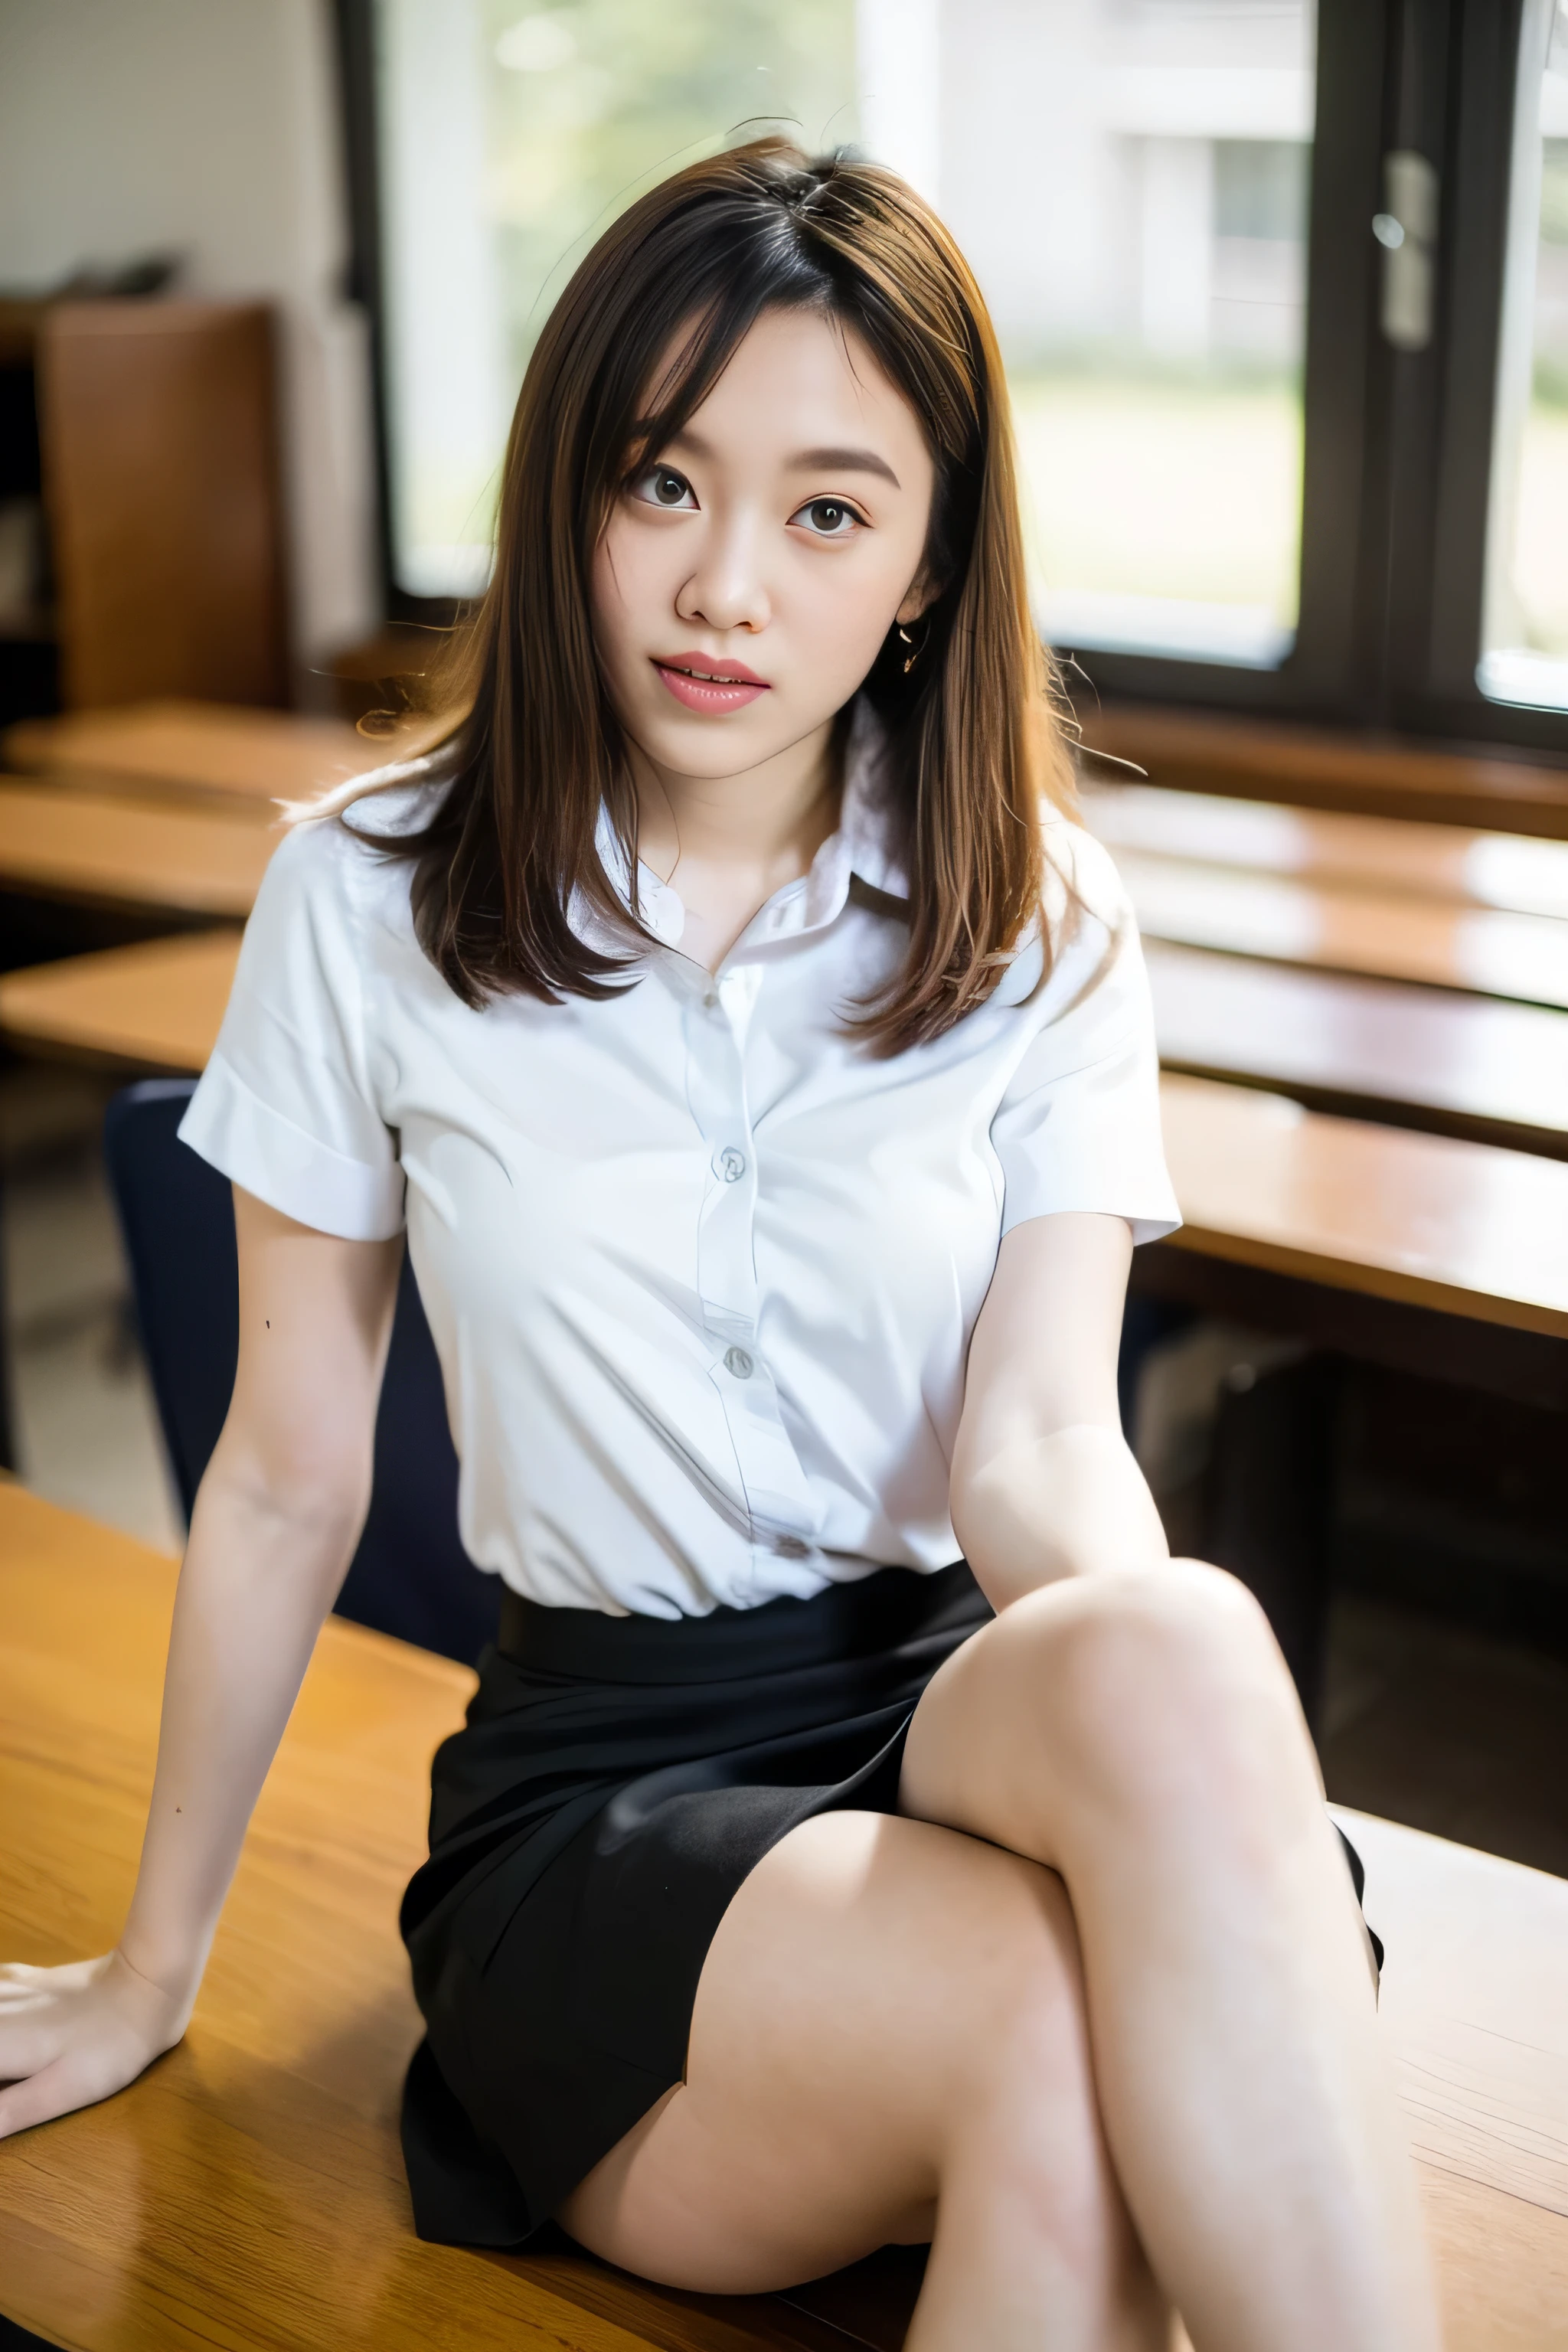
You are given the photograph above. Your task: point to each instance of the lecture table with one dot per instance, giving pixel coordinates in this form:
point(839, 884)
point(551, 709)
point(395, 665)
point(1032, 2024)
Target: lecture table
point(132, 853)
point(1335, 927)
point(1395, 855)
point(247, 2192)
point(1328, 768)
point(196, 748)
point(1469, 1065)
point(1416, 1250)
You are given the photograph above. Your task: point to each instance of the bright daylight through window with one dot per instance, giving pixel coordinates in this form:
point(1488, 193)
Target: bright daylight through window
point(1526, 655)
point(1129, 178)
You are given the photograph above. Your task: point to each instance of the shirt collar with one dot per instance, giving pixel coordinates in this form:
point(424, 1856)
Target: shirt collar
point(862, 846)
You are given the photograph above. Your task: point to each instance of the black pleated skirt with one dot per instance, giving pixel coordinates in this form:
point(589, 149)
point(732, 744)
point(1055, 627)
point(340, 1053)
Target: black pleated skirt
point(616, 1779)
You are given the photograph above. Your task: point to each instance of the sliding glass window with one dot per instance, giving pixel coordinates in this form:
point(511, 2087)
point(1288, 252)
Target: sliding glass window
point(1524, 658)
point(1128, 177)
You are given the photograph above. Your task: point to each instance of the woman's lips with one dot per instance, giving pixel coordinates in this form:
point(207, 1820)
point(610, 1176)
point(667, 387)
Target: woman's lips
point(728, 686)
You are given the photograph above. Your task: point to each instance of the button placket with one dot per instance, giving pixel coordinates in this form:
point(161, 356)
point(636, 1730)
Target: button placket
point(776, 1487)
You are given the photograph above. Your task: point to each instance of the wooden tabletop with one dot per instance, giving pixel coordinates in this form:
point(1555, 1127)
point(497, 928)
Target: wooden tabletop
point(115, 850)
point(246, 2193)
point(1338, 927)
point(1472, 1066)
point(154, 1006)
point(197, 747)
point(1324, 768)
point(1466, 1229)
point(1385, 854)
point(1429, 1219)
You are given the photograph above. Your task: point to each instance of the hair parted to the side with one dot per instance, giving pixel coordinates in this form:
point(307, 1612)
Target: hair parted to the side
point(974, 739)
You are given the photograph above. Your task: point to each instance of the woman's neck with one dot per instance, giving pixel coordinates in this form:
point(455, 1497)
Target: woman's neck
point(725, 843)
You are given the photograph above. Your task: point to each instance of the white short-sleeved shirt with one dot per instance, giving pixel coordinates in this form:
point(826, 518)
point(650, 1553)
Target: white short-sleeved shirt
point(700, 1270)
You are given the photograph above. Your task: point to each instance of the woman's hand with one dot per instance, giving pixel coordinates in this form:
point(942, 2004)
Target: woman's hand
point(74, 2035)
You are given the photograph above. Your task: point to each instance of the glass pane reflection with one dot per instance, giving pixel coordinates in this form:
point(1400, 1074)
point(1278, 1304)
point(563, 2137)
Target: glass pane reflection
point(1525, 656)
point(1129, 178)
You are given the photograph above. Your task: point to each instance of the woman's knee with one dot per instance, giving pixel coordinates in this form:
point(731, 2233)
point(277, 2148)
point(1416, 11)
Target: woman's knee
point(1167, 1688)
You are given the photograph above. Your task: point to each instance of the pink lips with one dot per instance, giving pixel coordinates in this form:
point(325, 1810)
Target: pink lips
point(711, 686)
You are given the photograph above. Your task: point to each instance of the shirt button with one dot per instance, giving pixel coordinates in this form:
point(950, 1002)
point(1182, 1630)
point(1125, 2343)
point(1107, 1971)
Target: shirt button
point(710, 1000)
point(736, 1361)
point(732, 1165)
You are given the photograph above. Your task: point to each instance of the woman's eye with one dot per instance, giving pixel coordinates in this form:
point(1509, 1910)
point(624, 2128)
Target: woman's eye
point(661, 486)
point(829, 518)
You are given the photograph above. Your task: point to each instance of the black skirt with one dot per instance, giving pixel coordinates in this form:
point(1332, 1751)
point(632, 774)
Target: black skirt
point(617, 1778)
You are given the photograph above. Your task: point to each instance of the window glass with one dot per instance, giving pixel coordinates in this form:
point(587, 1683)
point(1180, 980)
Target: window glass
point(1129, 178)
point(1525, 656)
point(510, 136)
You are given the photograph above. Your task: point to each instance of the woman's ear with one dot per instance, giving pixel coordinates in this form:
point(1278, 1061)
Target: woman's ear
point(920, 597)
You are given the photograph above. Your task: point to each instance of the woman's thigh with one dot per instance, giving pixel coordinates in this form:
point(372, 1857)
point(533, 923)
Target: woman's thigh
point(885, 2001)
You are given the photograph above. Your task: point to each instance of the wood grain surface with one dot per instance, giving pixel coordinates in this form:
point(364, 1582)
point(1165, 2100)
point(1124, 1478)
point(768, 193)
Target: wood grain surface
point(1470, 1228)
point(1429, 1219)
point(198, 747)
point(1387, 855)
point(1471, 1066)
point(1337, 927)
point(246, 2193)
point(1312, 767)
point(154, 1006)
point(106, 849)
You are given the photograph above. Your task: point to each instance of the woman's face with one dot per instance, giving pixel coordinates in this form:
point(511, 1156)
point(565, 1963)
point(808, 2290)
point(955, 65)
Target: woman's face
point(744, 582)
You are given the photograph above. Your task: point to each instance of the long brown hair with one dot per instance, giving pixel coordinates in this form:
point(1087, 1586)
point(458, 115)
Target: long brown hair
point(973, 736)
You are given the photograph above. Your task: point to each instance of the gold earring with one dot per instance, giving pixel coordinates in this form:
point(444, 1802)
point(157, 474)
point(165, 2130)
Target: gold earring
point(915, 651)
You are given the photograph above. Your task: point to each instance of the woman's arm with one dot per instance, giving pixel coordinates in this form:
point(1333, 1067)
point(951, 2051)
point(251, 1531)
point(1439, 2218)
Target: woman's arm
point(274, 1529)
point(1044, 1484)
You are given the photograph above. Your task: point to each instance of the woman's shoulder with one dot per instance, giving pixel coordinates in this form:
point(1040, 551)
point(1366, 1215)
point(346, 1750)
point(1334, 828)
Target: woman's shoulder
point(1078, 941)
point(345, 854)
point(1080, 875)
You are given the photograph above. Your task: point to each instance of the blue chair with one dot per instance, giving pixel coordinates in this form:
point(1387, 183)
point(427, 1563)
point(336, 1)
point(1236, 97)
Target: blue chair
point(410, 1576)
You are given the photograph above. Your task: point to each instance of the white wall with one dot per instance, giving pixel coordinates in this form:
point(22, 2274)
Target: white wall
point(208, 128)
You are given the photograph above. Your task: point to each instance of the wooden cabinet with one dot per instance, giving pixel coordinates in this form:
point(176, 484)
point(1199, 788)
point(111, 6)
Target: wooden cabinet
point(158, 430)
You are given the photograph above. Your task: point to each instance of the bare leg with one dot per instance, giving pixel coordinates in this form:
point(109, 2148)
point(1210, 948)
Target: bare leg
point(1140, 1735)
point(889, 2033)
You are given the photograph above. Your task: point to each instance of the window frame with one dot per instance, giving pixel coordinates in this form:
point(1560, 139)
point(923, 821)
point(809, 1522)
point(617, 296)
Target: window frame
point(1397, 446)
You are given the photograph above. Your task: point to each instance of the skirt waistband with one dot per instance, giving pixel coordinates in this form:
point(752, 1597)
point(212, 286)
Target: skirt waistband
point(878, 1611)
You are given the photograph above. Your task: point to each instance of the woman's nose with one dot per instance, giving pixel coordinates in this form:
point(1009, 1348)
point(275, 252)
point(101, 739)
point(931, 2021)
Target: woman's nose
point(727, 588)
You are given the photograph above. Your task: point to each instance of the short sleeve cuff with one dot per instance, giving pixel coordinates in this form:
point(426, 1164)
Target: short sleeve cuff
point(257, 1148)
point(1117, 1172)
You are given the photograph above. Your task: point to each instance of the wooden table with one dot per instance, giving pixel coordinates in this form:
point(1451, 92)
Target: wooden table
point(1389, 856)
point(154, 1006)
point(246, 2193)
point(1324, 768)
point(215, 748)
point(1460, 1228)
point(103, 849)
point(1423, 1220)
point(1471, 1066)
point(1344, 927)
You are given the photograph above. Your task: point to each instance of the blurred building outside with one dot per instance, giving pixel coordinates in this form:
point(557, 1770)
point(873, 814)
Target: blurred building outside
point(1130, 183)
point(1130, 178)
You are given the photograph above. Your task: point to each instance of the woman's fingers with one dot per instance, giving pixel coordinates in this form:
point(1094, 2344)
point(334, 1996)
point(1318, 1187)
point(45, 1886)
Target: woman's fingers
point(66, 2083)
point(73, 2035)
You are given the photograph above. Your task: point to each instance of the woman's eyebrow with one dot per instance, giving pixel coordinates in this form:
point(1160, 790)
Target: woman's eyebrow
point(854, 461)
point(804, 461)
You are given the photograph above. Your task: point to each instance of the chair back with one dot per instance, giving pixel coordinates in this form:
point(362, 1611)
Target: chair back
point(410, 1576)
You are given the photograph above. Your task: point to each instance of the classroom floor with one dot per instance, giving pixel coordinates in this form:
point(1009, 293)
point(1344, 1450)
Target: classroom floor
point(1424, 1722)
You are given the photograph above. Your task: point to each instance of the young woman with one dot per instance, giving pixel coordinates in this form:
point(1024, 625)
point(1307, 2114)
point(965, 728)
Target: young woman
point(863, 1830)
